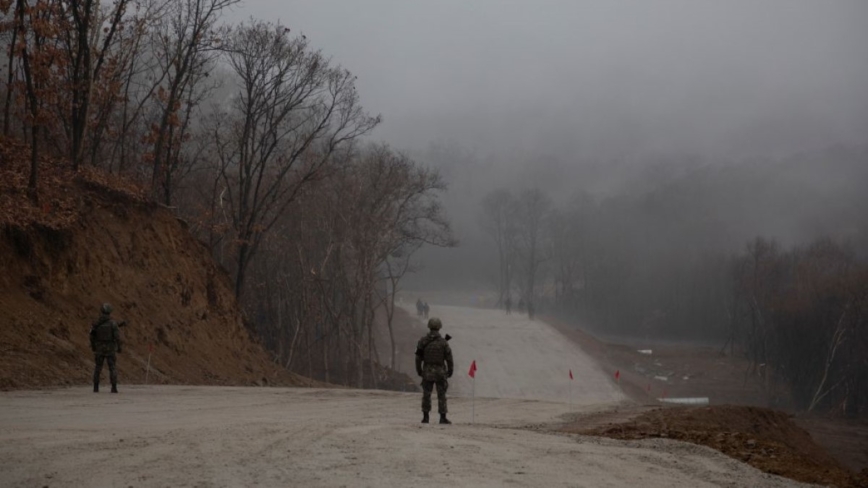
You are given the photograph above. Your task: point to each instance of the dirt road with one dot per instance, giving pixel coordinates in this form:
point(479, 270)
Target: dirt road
point(217, 436)
point(520, 358)
point(213, 436)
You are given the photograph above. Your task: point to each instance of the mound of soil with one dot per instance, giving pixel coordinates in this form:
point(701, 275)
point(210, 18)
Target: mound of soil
point(766, 439)
point(92, 239)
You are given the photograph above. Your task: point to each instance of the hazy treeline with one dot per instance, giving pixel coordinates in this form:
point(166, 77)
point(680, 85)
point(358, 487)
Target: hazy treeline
point(250, 134)
point(801, 317)
point(676, 260)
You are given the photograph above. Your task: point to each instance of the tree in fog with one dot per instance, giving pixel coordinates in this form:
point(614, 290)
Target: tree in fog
point(338, 255)
point(291, 114)
point(184, 46)
point(89, 51)
point(568, 229)
point(497, 218)
point(517, 225)
point(803, 322)
point(413, 217)
point(533, 209)
point(761, 273)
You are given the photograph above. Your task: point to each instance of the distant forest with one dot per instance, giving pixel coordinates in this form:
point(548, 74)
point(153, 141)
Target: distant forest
point(766, 259)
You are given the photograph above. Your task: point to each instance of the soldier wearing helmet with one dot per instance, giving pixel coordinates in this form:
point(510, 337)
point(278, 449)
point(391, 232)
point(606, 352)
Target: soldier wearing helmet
point(434, 365)
point(105, 342)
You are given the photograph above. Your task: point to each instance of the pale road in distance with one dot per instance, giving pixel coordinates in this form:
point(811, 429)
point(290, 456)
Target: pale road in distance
point(519, 358)
point(233, 436)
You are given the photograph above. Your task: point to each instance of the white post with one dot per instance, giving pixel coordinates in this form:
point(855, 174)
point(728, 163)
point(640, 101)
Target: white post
point(473, 403)
point(571, 392)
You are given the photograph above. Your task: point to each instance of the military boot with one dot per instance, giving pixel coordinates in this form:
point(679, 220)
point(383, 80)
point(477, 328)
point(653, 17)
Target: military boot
point(114, 388)
point(443, 419)
point(424, 417)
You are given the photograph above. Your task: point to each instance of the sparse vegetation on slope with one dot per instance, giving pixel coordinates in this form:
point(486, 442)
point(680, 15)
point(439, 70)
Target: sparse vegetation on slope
point(94, 239)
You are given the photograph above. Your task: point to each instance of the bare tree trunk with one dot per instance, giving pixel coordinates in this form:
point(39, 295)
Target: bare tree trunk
point(32, 185)
point(390, 315)
point(837, 339)
point(325, 361)
point(11, 75)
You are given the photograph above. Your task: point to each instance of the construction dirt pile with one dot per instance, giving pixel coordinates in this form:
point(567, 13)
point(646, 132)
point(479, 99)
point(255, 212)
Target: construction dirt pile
point(766, 439)
point(92, 239)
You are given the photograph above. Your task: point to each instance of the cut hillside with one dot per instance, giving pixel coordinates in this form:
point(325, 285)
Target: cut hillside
point(91, 239)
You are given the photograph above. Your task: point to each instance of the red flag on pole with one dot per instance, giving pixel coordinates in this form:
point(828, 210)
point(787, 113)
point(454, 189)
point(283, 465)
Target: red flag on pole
point(571, 374)
point(618, 374)
point(472, 372)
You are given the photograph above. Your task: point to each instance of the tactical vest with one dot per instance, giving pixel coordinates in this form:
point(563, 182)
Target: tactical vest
point(434, 352)
point(104, 332)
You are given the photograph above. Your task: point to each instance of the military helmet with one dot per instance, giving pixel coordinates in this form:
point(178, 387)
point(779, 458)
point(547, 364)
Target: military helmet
point(435, 324)
point(106, 308)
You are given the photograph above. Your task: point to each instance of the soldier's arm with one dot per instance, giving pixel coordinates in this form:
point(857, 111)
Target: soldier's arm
point(420, 352)
point(450, 365)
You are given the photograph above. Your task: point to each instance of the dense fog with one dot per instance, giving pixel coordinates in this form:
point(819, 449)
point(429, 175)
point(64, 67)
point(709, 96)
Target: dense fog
point(667, 170)
point(738, 119)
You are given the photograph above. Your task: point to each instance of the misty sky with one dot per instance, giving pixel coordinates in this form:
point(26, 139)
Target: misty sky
point(607, 79)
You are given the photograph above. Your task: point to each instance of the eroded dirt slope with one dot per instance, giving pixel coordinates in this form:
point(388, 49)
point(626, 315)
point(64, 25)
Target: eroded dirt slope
point(87, 242)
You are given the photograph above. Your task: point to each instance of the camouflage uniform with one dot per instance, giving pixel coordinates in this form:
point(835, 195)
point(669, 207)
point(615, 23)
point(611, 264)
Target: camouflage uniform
point(105, 342)
point(434, 364)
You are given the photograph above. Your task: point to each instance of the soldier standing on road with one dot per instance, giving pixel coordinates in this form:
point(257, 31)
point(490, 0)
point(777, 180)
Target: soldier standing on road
point(434, 365)
point(105, 342)
point(425, 309)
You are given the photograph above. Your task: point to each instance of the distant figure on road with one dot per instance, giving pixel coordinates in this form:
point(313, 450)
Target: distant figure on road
point(507, 304)
point(434, 365)
point(521, 305)
point(419, 307)
point(425, 309)
point(105, 342)
point(530, 310)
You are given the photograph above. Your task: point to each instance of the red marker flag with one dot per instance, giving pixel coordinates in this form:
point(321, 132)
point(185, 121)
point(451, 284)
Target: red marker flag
point(151, 347)
point(472, 372)
point(618, 374)
point(571, 374)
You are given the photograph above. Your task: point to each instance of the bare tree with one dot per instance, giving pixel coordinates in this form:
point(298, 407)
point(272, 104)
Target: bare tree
point(406, 204)
point(89, 49)
point(35, 28)
point(292, 113)
point(498, 220)
point(533, 209)
point(184, 46)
